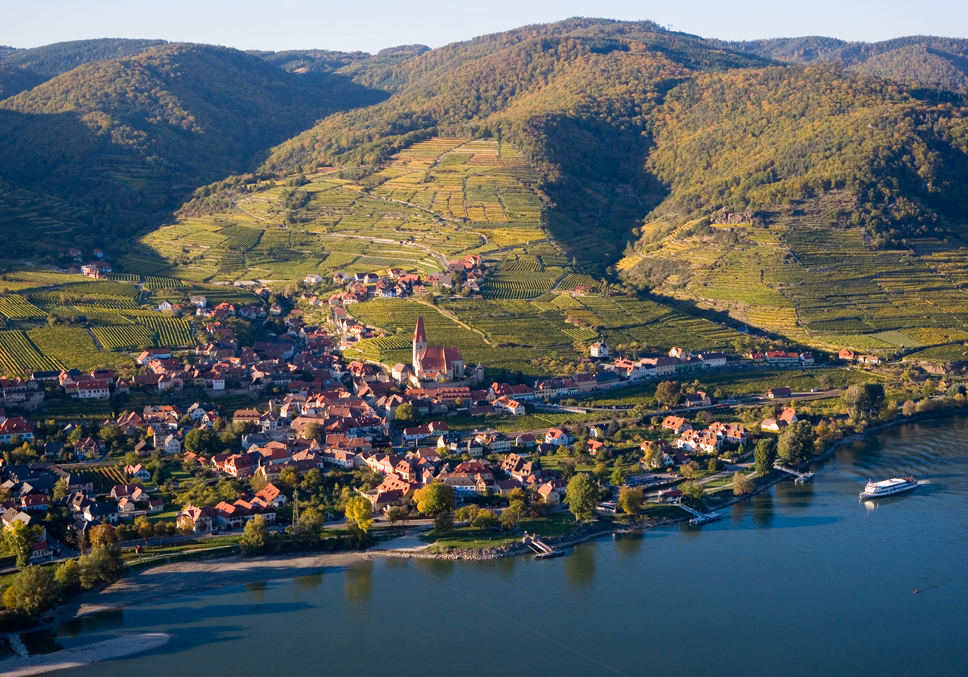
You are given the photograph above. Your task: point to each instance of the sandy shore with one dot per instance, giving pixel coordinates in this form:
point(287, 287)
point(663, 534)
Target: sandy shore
point(186, 578)
point(82, 655)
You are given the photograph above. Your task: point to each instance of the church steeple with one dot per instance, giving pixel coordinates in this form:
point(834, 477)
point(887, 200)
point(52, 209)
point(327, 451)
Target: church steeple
point(419, 346)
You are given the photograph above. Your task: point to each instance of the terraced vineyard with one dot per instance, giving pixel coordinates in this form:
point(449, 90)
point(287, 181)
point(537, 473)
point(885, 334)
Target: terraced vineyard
point(441, 197)
point(801, 278)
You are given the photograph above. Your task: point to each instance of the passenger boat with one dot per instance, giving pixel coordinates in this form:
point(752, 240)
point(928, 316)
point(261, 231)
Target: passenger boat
point(895, 485)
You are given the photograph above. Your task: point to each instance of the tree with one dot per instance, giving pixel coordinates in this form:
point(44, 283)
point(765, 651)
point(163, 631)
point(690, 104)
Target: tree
point(630, 500)
point(289, 476)
point(202, 440)
point(509, 520)
point(309, 525)
point(668, 393)
point(103, 564)
point(581, 496)
point(254, 536)
point(689, 469)
point(484, 519)
point(692, 490)
point(796, 443)
point(145, 529)
point(619, 475)
point(909, 408)
point(18, 540)
point(359, 511)
point(742, 485)
point(764, 455)
point(33, 590)
point(101, 536)
point(864, 399)
point(406, 414)
point(60, 489)
point(601, 471)
point(435, 498)
point(444, 522)
point(396, 514)
point(314, 431)
point(68, 575)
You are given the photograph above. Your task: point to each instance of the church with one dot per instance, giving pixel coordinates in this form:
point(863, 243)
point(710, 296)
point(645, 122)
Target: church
point(435, 363)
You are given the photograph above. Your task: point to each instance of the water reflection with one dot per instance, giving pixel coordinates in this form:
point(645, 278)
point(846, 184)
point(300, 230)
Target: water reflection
point(580, 566)
point(257, 591)
point(763, 513)
point(505, 567)
point(628, 545)
point(107, 620)
point(739, 512)
point(308, 583)
point(41, 642)
point(359, 582)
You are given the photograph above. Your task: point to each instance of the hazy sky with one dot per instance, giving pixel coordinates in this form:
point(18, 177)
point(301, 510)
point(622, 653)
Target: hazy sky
point(370, 25)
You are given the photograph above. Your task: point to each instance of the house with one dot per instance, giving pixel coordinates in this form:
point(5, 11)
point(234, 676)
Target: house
point(15, 426)
point(135, 491)
point(510, 406)
point(781, 358)
point(201, 519)
point(676, 424)
point(549, 494)
point(172, 445)
point(199, 301)
point(101, 511)
point(598, 350)
point(712, 360)
point(869, 359)
point(165, 306)
point(847, 354)
point(137, 471)
point(806, 359)
point(774, 393)
point(558, 437)
point(312, 278)
point(93, 390)
point(272, 495)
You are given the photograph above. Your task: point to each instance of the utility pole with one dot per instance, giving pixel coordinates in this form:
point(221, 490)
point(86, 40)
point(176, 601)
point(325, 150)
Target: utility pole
point(295, 506)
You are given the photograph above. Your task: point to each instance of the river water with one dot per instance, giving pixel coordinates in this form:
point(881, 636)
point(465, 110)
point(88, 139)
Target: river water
point(802, 580)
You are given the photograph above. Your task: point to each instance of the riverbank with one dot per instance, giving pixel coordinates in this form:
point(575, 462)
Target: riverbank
point(83, 655)
point(186, 578)
point(168, 581)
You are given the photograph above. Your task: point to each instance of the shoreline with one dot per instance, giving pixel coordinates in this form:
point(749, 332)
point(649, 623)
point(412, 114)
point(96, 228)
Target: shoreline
point(118, 647)
point(180, 579)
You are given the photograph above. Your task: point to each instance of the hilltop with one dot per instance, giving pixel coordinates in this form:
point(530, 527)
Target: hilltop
point(733, 177)
point(112, 147)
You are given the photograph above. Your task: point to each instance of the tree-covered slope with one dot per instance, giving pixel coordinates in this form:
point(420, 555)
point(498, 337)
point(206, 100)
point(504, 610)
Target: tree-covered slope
point(918, 60)
point(60, 57)
point(125, 140)
point(575, 97)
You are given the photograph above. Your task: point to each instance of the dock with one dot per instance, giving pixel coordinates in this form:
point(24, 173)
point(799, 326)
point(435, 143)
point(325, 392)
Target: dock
point(701, 517)
point(541, 549)
point(801, 477)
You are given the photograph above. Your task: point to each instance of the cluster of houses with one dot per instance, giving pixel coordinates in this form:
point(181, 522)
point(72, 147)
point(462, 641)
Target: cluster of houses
point(97, 269)
point(848, 355)
point(198, 305)
point(397, 283)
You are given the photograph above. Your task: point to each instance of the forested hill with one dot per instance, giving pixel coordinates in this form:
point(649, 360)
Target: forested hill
point(60, 57)
point(118, 144)
point(917, 60)
point(576, 97)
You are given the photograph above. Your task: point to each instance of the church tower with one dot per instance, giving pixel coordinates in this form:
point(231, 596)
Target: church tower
point(419, 346)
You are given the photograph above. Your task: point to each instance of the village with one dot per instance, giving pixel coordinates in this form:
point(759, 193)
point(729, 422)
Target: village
point(339, 430)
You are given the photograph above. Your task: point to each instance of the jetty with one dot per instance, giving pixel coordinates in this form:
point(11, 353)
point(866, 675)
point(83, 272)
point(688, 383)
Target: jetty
point(801, 477)
point(700, 517)
point(541, 549)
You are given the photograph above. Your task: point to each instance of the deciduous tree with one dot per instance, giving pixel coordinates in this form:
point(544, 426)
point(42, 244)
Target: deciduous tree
point(581, 496)
point(359, 511)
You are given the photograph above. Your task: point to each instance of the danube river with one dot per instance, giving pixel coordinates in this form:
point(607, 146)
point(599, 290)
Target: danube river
point(803, 580)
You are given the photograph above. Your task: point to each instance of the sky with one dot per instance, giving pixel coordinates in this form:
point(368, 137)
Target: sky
point(371, 25)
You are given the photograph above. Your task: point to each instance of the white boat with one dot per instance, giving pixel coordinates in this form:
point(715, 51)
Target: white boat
point(895, 485)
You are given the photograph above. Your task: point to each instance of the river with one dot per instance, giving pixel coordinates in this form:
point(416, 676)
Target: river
point(802, 580)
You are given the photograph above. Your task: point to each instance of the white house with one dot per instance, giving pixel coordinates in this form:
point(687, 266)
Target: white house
point(312, 278)
point(165, 305)
point(598, 349)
